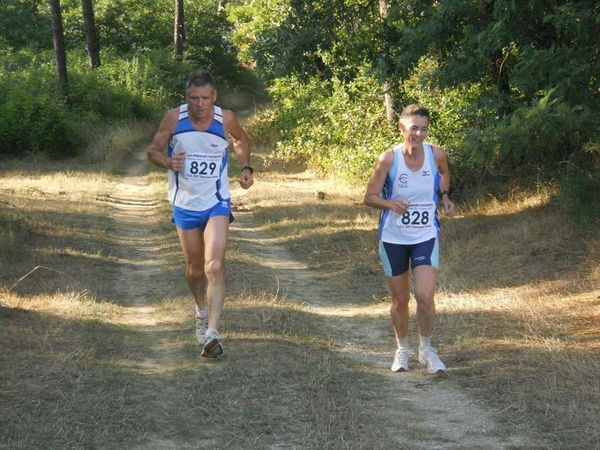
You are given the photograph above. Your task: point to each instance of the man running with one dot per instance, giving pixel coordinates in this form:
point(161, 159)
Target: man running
point(405, 185)
point(191, 143)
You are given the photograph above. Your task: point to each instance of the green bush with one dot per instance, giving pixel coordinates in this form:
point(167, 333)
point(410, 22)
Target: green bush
point(580, 185)
point(336, 127)
point(33, 119)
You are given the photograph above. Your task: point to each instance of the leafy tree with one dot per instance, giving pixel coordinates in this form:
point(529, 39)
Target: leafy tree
point(25, 24)
point(306, 37)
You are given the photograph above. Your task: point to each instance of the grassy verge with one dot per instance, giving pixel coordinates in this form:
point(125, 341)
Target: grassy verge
point(518, 299)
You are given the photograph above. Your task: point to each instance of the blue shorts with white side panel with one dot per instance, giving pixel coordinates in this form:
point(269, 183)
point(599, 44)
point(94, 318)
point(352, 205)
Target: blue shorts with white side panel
point(395, 257)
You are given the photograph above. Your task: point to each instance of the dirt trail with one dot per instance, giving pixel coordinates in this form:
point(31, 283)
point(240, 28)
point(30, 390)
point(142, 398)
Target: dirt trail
point(442, 415)
point(134, 213)
point(438, 414)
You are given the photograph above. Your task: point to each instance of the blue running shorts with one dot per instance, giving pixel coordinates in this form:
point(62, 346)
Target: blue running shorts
point(395, 257)
point(189, 220)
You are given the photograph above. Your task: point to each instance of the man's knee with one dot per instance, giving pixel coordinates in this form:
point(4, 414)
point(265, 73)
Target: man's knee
point(214, 269)
point(194, 271)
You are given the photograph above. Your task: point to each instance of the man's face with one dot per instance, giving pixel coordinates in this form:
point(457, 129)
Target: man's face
point(200, 100)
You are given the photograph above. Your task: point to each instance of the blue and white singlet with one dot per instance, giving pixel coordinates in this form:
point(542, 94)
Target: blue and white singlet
point(420, 222)
point(204, 181)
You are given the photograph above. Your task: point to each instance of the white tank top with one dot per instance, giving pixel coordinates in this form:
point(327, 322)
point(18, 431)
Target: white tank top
point(204, 181)
point(420, 222)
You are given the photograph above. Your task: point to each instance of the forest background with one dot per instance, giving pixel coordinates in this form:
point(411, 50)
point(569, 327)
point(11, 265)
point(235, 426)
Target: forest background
point(513, 86)
point(514, 92)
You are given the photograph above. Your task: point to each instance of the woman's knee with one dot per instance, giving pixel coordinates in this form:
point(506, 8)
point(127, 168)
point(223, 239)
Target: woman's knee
point(425, 303)
point(194, 271)
point(400, 301)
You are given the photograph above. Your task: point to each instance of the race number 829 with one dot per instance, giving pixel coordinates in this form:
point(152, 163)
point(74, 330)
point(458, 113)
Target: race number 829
point(200, 166)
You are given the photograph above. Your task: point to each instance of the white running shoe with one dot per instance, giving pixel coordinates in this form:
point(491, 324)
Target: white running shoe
point(431, 359)
point(213, 346)
point(201, 327)
point(400, 363)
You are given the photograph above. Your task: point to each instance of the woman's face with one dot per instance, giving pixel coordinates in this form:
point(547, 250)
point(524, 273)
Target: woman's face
point(414, 129)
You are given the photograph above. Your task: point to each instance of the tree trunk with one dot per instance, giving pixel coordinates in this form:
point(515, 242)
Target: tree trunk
point(59, 46)
point(179, 32)
point(91, 34)
point(386, 87)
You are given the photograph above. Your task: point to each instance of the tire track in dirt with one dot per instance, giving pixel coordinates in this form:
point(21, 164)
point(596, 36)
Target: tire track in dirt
point(135, 214)
point(428, 412)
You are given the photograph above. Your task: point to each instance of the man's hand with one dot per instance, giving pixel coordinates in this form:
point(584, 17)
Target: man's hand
point(177, 162)
point(246, 178)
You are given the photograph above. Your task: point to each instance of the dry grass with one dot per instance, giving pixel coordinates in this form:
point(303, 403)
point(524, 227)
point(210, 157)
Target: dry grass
point(80, 367)
point(519, 300)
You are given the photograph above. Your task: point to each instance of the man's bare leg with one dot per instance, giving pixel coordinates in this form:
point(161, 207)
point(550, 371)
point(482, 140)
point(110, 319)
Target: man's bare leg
point(215, 242)
point(192, 243)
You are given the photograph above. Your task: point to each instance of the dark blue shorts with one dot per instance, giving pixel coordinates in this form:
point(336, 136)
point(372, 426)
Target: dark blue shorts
point(395, 257)
point(189, 220)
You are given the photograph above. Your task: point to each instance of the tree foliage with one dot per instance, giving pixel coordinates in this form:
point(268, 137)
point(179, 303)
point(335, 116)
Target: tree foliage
point(139, 75)
point(513, 86)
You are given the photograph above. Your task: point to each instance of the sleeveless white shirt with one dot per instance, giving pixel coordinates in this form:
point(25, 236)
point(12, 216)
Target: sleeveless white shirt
point(204, 181)
point(420, 222)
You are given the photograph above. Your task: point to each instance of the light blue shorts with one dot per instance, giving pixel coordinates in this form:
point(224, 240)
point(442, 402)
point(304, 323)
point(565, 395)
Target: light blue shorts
point(189, 220)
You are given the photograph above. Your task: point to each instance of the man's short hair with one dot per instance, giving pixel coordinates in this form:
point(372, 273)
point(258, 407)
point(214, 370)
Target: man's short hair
point(414, 110)
point(199, 79)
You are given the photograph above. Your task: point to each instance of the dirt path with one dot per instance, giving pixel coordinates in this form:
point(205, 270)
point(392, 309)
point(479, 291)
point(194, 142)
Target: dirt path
point(438, 413)
point(435, 413)
point(134, 214)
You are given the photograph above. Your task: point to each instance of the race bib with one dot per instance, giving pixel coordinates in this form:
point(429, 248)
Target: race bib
point(417, 216)
point(202, 166)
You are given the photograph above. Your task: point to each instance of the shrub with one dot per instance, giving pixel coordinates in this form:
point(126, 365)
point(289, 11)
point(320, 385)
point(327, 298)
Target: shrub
point(33, 119)
point(336, 127)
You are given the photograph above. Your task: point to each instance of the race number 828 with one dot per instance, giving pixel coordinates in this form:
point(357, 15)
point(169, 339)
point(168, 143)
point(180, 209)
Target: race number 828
point(415, 218)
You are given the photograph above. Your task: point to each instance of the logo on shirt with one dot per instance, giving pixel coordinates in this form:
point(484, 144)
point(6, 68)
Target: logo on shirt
point(403, 180)
point(425, 173)
point(214, 145)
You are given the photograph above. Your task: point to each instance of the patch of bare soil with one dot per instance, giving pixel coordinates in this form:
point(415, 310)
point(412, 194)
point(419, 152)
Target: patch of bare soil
point(428, 411)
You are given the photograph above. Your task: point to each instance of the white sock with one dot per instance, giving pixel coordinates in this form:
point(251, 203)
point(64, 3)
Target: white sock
point(424, 342)
point(402, 343)
point(201, 313)
point(210, 331)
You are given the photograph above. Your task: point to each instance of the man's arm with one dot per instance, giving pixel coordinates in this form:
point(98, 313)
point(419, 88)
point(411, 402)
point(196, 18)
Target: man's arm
point(156, 151)
point(441, 160)
point(241, 146)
